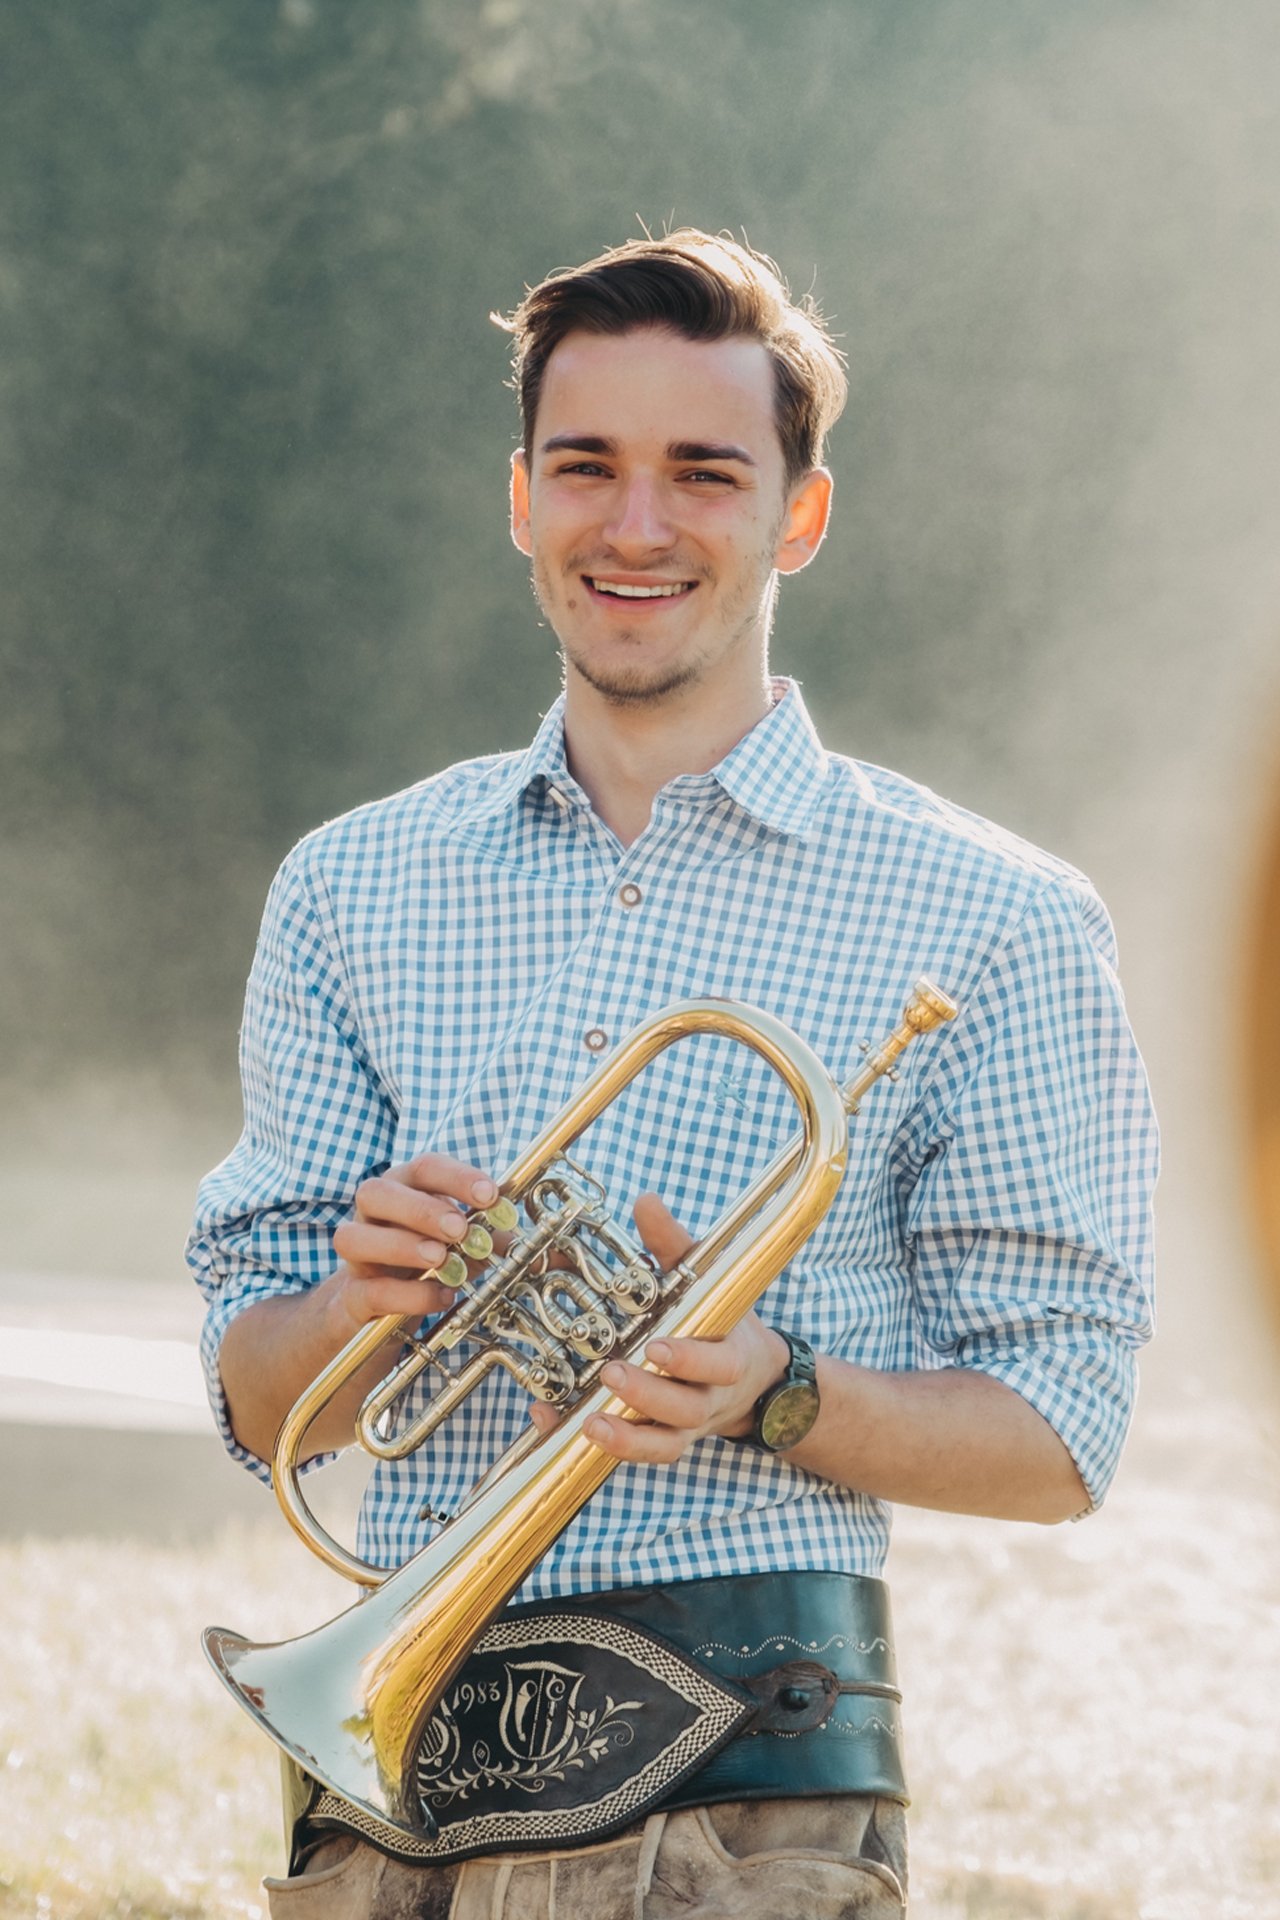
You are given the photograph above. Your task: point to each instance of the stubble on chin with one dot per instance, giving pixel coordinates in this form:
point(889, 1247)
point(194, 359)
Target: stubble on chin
point(638, 684)
point(630, 686)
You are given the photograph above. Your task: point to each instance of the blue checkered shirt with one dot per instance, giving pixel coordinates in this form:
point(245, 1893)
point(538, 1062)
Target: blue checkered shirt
point(441, 969)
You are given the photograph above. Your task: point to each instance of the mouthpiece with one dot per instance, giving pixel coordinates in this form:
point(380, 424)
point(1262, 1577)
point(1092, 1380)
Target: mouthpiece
point(928, 1006)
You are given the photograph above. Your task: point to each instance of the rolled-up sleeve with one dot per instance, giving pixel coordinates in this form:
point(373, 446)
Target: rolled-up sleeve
point(1030, 1220)
point(316, 1122)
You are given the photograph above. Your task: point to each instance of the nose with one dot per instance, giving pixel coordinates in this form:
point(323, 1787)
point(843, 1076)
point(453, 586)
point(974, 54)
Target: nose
point(639, 523)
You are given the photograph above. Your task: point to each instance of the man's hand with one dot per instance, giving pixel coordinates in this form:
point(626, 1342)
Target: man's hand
point(704, 1386)
point(405, 1221)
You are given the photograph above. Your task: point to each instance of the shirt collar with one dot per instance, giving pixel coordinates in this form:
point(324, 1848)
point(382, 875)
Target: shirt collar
point(542, 764)
point(775, 772)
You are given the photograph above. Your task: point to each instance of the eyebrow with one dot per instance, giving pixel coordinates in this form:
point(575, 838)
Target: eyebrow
point(578, 443)
point(680, 451)
point(697, 450)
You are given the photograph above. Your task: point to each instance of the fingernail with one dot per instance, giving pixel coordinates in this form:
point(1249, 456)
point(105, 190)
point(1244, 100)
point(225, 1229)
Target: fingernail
point(659, 1350)
point(597, 1429)
point(431, 1251)
point(454, 1225)
point(484, 1193)
point(613, 1376)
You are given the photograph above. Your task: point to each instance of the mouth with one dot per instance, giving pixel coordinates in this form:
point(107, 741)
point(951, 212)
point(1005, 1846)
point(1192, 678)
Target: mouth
point(633, 591)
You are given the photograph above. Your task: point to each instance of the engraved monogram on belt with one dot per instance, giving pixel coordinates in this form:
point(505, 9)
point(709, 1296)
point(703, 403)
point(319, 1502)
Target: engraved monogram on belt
point(537, 1726)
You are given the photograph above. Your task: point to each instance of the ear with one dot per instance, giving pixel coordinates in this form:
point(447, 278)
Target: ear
point(520, 502)
point(805, 522)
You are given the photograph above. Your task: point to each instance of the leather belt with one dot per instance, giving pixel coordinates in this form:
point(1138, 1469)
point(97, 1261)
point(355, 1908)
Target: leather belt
point(572, 1719)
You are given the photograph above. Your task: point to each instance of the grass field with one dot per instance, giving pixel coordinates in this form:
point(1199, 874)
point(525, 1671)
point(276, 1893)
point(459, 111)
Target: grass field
point(1091, 1710)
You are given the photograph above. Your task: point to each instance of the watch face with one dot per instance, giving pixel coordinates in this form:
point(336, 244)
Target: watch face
point(791, 1411)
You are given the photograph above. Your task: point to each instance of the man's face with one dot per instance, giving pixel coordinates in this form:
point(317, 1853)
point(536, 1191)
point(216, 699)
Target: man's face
point(655, 511)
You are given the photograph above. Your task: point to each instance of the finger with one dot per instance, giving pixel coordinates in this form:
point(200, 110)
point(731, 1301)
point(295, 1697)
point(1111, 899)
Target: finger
point(377, 1296)
point(383, 1249)
point(655, 1397)
point(712, 1363)
point(661, 1232)
point(388, 1202)
point(438, 1173)
point(635, 1440)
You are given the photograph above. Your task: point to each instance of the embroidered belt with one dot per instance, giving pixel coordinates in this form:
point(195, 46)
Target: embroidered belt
point(571, 1720)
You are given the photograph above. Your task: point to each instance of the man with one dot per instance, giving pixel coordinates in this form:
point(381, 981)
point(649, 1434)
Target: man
point(438, 972)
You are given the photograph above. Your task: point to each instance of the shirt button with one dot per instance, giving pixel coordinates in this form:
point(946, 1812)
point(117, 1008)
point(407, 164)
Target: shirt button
point(630, 895)
point(595, 1039)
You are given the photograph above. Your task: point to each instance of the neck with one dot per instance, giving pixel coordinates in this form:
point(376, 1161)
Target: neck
point(623, 754)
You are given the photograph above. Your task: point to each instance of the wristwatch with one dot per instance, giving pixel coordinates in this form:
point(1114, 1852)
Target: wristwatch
point(785, 1412)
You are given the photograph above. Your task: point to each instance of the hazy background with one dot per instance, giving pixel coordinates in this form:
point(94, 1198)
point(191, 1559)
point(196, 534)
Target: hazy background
point(253, 449)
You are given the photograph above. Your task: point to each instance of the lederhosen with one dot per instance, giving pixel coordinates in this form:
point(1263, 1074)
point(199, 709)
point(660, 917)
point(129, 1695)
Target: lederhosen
point(572, 1719)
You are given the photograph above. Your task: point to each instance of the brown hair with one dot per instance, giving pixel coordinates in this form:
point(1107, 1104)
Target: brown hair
point(704, 288)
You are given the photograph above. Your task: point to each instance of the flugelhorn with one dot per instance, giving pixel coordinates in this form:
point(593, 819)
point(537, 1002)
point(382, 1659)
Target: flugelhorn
point(350, 1701)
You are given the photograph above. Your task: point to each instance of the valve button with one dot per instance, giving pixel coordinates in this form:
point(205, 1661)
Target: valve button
point(477, 1242)
point(501, 1216)
point(452, 1270)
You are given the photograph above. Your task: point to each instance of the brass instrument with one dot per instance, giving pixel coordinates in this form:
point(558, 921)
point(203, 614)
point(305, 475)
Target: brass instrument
point(350, 1700)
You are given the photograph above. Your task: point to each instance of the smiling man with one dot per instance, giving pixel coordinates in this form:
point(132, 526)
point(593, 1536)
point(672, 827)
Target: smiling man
point(438, 972)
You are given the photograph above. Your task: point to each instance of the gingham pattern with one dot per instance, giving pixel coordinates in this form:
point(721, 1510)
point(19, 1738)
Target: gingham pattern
point(428, 970)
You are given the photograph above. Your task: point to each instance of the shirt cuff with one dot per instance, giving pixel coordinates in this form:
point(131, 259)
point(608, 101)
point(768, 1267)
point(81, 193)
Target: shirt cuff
point(216, 1321)
point(1084, 1390)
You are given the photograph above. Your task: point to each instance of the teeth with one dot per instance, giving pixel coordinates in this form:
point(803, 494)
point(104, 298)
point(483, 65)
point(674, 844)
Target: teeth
point(642, 593)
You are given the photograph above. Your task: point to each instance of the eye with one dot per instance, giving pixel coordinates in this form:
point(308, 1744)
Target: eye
point(708, 477)
point(589, 469)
